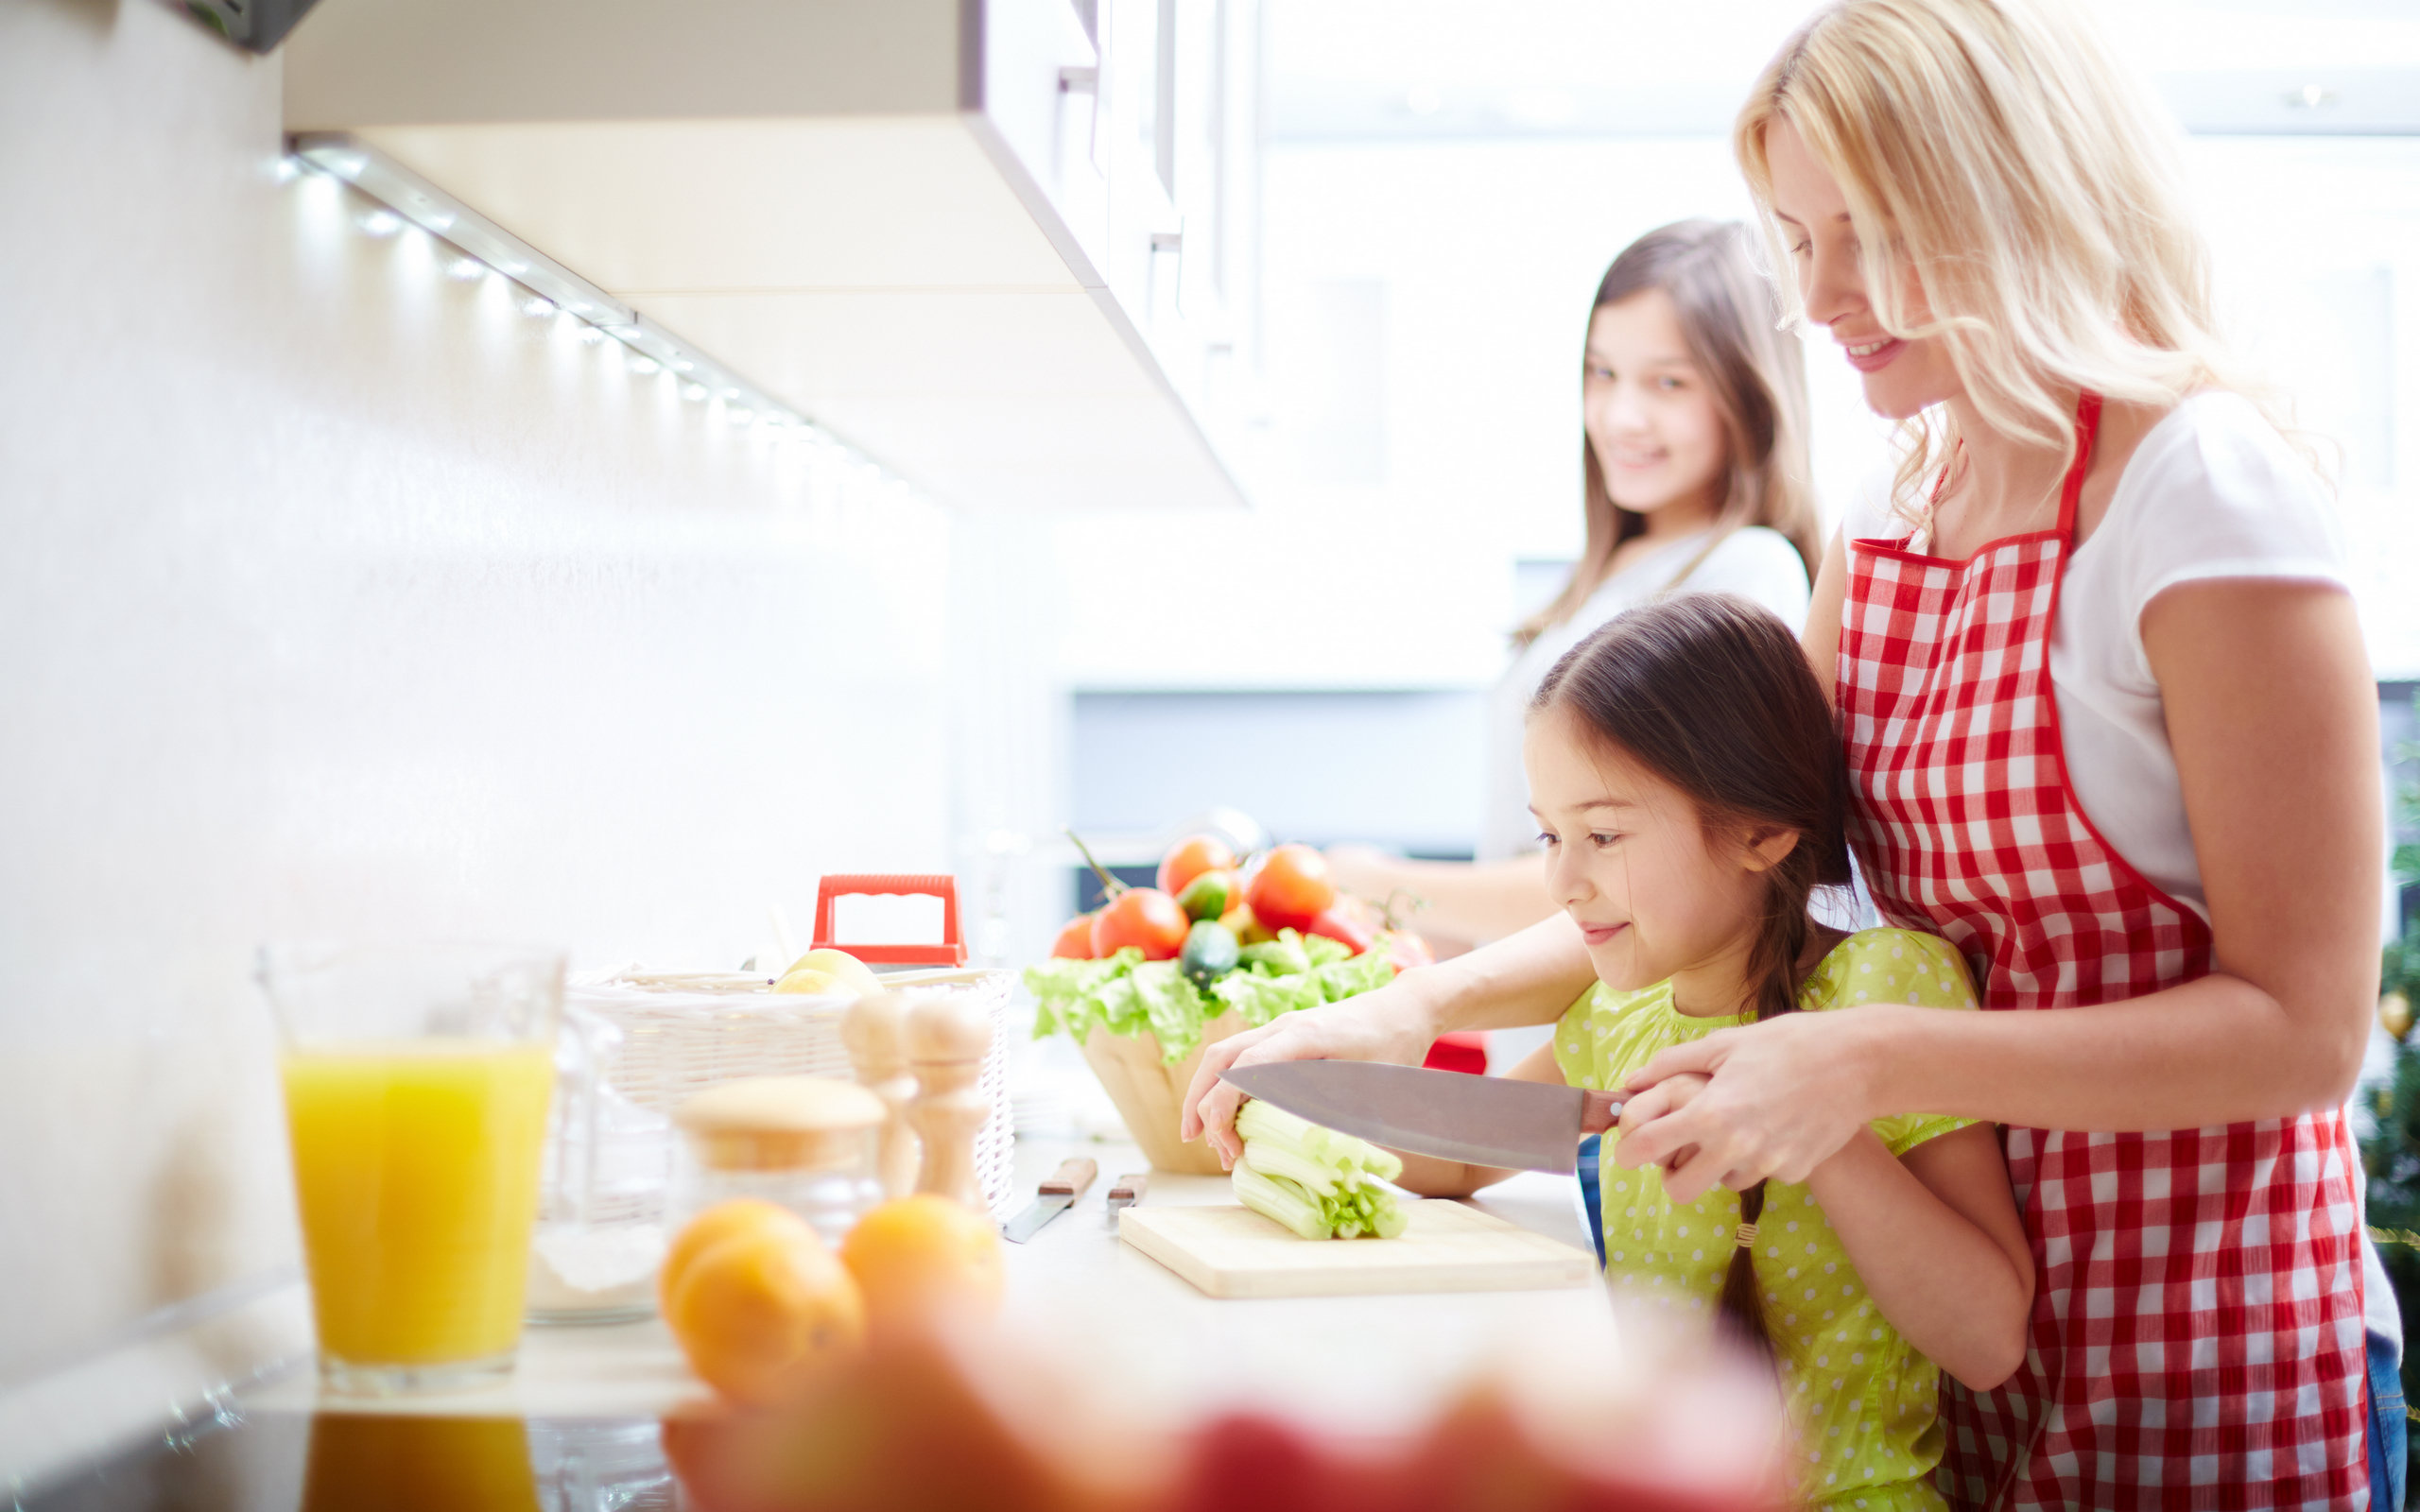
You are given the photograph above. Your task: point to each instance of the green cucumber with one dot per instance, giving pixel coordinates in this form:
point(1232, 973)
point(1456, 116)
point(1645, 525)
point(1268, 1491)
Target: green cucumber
point(1210, 951)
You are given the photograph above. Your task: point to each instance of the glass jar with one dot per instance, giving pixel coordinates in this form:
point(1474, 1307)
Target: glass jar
point(805, 1142)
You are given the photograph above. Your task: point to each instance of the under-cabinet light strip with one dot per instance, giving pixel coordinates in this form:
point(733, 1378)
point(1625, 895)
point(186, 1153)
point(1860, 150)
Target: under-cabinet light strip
point(486, 245)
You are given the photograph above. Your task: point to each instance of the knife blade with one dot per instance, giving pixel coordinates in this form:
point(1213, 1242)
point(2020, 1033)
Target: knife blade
point(1057, 1193)
point(1450, 1114)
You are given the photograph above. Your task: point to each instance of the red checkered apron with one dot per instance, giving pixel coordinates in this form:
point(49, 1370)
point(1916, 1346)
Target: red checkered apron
point(2197, 1336)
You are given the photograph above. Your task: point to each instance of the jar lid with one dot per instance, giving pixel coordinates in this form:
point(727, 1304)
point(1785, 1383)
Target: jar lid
point(774, 1122)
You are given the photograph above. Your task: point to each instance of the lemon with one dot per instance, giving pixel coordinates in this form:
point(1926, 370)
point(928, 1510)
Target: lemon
point(820, 984)
point(837, 964)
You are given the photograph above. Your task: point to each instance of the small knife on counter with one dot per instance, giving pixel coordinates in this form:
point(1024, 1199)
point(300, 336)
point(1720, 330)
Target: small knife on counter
point(1057, 1193)
point(1127, 1190)
point(1450, 1114)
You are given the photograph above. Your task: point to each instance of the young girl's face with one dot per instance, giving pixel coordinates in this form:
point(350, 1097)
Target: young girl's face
point(1651, 418)
point(1901, 377)
point(1655, 894)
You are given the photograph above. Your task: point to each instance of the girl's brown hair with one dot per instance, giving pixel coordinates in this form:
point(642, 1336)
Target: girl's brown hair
point(1713, 695)
point(1730, 316)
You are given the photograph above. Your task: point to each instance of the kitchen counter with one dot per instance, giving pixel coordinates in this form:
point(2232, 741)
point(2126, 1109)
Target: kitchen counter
point(1112, 1315)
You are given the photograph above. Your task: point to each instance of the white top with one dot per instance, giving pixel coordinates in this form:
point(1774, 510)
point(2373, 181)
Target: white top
point(2212, 492)
point(1753, 562)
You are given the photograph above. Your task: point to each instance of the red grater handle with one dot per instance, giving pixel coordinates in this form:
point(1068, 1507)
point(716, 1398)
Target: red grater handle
point(950, 952)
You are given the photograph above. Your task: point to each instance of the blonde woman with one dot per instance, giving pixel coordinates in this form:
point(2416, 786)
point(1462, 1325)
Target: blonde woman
point(2111, 732)
point(1693, 408)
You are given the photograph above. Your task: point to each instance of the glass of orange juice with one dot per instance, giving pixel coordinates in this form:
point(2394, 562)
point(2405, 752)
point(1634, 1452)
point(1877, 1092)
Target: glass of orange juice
point(417, 1079)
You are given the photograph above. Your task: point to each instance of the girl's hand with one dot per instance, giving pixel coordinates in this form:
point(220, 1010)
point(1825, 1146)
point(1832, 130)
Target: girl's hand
point(1778, 1099)
point(1390, 1023)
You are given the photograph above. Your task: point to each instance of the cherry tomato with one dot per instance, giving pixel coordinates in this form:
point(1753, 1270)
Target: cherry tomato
point(1405, 949)
point(1291, 887)
point(1339, 924)
point(1142, 916)
point(1075, 941)
point(1190, 858)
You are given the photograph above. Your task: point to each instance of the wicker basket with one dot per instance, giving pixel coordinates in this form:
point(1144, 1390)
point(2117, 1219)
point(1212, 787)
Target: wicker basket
point(683, 1031)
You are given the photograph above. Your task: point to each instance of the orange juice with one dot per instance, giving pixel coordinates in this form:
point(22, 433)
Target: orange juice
point(401, 1462)
point(416, 1167)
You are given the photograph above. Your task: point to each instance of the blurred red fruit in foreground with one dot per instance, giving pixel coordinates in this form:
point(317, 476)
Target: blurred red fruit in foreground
point(934, 1423)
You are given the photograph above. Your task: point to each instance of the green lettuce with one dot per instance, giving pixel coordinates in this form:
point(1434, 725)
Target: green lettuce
point(1126, 994)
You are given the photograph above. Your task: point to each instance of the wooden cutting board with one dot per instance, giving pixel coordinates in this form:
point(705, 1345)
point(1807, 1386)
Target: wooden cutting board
point(1229, 1250)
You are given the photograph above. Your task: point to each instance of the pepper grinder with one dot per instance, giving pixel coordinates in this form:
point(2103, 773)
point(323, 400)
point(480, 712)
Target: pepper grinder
point(876, 1035)
point(946, 1038)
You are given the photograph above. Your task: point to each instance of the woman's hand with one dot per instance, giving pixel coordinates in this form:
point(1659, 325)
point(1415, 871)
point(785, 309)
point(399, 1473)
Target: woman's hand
point(1390, 1023)
point(1775, 1100)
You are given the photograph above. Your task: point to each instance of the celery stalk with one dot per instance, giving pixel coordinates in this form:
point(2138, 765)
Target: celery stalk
point(1264, 1120)
point(1279, 1201)
point(1314, 1182)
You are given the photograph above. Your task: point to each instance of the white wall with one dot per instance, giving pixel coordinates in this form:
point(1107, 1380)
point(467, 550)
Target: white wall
point(340, 599)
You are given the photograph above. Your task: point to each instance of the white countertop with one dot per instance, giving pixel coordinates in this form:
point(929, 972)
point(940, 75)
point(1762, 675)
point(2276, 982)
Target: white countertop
point(1116, 1317)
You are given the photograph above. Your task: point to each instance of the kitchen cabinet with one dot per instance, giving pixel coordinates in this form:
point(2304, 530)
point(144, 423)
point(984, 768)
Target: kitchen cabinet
point(1004, 247)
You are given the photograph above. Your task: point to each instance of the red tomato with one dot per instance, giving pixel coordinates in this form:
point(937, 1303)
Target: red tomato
point(1291, 887)
point(1405, 949)
point(1144, 917)
point(1192, 857)
point(1075, 941)
point(1337, 925)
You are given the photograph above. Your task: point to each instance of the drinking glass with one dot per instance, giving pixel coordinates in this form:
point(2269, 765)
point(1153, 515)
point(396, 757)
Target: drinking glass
point(417, 1079)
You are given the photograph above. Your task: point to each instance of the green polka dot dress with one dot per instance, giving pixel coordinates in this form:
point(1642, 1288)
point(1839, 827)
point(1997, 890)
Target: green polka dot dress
point(1863, 1402)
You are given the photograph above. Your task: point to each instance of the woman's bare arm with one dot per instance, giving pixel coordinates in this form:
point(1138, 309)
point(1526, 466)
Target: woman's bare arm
point(2273, 719)
point(1527, 978)
point(1433, 1178)
point(1471, 902)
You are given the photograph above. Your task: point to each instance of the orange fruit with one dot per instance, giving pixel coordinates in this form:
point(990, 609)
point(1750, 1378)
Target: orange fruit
point(765, 1313)
point(919, 1258)
point(710, 1227)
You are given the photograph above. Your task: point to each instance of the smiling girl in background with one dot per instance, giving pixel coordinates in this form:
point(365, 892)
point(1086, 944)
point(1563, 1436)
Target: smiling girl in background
point(1687, 790)
point(1694, 407)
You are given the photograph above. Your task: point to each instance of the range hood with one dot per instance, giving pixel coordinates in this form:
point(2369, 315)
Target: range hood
point(992, 244)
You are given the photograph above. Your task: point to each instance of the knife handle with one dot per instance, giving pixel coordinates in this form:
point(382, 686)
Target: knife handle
point(1600, 1112)
point(1071, 1179)
point(1129, 1190)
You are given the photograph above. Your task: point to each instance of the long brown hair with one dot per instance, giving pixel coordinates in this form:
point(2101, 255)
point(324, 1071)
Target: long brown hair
point(1730, 317)
point(1714, 694)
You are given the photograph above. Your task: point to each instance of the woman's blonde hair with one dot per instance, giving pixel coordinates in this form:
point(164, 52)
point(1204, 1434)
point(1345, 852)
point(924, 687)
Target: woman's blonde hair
point(1998, 158)
point(1730, 317)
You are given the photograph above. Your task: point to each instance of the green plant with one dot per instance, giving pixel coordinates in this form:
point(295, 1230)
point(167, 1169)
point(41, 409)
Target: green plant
point(2391, 1155)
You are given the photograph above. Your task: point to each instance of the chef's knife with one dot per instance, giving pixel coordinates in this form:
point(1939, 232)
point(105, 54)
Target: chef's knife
point(1057, 1193)
point(1450, 1114)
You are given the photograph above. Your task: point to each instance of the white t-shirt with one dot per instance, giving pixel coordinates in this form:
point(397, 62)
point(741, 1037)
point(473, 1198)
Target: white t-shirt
point(1753, 562)
point(2211, 492)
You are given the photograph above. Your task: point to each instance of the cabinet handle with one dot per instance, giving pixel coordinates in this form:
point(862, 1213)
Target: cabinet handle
point(1085, 81)
point(1170, 241)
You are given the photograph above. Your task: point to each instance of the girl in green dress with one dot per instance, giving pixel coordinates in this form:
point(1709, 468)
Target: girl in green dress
point(1689, 795)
